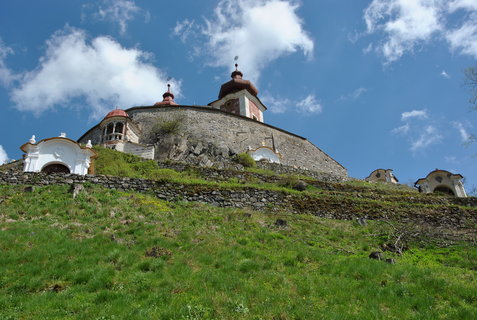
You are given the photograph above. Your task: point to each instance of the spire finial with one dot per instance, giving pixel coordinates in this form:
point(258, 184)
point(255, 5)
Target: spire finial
point(236, 74)
point(236, 64)
point(168, 97)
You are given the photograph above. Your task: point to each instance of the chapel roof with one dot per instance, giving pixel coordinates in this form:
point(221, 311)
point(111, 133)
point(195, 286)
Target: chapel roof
point(237, 84)
point(167, 98)
point(116, 113)
point(439, 171)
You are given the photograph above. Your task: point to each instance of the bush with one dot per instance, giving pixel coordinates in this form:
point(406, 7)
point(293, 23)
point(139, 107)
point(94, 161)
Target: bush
point(293, 183)
point(166, 127)
point(246, 160)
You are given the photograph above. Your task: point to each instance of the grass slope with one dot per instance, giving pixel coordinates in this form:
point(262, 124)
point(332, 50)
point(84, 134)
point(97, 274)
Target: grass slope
point(118, 255)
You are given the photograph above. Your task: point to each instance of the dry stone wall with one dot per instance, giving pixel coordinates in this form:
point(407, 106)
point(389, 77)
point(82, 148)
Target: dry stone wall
point(456, 214)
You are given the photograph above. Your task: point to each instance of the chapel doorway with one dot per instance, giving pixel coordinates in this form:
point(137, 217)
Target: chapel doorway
point(444, 190)
point(55, 168)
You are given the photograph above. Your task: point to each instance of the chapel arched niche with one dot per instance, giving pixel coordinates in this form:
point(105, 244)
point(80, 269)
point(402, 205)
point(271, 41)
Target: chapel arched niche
point(55, 167)
point(442, 189)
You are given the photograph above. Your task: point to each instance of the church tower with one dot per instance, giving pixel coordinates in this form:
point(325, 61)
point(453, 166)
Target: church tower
point(240, 97)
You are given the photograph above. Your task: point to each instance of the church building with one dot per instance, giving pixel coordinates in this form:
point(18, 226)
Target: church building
point(209, 135)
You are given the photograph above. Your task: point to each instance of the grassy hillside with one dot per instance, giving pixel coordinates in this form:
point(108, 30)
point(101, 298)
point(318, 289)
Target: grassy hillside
point(108, 254)
point(118, 255)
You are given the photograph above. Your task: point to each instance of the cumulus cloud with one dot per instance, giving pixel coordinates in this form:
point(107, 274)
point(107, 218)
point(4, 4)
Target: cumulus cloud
point(420, 114)
point(102, 72)
point(3, 155)
point(117, 11)
point(257, 31)
point(406, 24)
point(426, 138)
point(444, 74)
point(464, 39)
point(308, 105)
point(6, 75)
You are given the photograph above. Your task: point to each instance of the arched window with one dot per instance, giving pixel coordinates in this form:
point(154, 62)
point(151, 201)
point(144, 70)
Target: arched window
point(114, 131)
point(110, 128)
point(119, 127)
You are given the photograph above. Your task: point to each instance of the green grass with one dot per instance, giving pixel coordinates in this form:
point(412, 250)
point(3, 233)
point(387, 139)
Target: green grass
point(88, 258)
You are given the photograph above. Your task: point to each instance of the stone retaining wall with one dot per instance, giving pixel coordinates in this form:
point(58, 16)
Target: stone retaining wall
point(225, 174)
point(436, 218)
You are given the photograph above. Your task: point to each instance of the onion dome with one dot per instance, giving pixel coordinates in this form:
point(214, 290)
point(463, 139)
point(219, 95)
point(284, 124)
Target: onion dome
point(116, 113)
point(237, 84)
point(168, 98)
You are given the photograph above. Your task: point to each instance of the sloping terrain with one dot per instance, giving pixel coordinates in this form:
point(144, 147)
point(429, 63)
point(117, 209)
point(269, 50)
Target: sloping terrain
point(109, 254)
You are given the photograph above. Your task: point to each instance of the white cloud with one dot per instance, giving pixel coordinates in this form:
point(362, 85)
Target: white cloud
point(462, 4)
point(451, 159)
point(368, 49)
point(118, 11)
point(309, 105)
point(406, 23)
point(464, 39)
point(184, 29)
point(355, 94)
point(276, 104)
point(445, 74)
point(421, 134)
point(464, 135)
point(101, 71)
point(258, 31)
point(426, 138)
point(404, 129)
point(6, 75)
point(3, 155)
point(420, 114)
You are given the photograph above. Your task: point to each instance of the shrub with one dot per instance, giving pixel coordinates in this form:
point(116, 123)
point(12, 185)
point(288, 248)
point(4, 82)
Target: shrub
point(246, 160)
point(166, 127)
point(293, 182)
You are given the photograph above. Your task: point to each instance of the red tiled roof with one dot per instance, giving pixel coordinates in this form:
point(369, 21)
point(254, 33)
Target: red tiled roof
point(117, 113)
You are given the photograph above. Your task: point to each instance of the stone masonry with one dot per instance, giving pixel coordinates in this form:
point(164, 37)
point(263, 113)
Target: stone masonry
point(459, 214)
point(210, 137)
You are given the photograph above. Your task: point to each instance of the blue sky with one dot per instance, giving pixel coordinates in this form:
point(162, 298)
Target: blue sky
point(374, 83)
